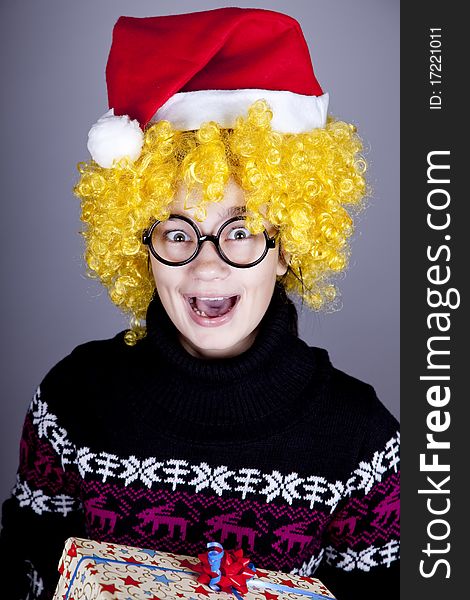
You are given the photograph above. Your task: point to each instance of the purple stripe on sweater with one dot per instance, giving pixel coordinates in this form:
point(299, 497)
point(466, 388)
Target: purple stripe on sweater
point(40, 465)
point(274, 536)
point(369, 519)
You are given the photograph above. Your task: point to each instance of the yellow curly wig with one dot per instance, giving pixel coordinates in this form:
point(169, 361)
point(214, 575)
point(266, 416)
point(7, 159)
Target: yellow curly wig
point(301, 183)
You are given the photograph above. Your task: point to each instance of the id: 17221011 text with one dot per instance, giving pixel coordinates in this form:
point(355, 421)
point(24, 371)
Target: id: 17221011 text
point(435, 68)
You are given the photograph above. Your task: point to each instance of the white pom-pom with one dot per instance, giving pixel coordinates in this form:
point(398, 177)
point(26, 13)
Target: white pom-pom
point(113, 137)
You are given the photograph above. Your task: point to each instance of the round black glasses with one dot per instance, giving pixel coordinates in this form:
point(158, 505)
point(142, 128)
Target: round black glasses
point(178, 240)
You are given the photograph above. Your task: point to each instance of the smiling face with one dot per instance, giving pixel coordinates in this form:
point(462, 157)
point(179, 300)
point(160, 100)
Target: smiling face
point(216, 307)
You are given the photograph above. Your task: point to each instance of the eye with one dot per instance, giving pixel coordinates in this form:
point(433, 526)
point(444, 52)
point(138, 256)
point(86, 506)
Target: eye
point(239, 233)
point(176, 235)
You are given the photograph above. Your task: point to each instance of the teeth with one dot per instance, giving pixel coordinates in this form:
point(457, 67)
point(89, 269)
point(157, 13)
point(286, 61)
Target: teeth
point(201, 313)
point(192, 302)
point(192, 299)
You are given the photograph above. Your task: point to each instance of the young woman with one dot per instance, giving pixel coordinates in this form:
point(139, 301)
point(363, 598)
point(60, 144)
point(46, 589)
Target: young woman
point(209, 419)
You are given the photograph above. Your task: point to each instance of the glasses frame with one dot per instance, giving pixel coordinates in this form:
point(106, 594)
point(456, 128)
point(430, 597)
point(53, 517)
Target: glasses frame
point(215, 239)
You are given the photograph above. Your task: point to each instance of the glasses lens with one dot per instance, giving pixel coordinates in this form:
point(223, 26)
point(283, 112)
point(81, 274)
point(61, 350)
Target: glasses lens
point(174, 240)
point(241, 246)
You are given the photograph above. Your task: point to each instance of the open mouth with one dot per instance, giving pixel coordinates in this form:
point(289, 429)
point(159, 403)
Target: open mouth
point(212, 307)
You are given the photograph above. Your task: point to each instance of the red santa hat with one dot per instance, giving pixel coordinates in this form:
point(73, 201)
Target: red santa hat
point(206, 66)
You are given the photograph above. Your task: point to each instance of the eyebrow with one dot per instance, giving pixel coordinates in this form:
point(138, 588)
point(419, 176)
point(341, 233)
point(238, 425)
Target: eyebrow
point(233, 211)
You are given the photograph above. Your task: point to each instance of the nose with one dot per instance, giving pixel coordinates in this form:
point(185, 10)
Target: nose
point(208, 264)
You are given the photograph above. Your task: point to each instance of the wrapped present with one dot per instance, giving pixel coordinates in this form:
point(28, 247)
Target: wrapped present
point(92, 570)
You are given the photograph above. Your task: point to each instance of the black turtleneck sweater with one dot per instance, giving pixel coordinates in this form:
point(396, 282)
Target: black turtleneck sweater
point(274, 450)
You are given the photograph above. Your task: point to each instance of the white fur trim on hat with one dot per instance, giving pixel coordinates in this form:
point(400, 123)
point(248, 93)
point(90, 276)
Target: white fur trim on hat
point(292, 113)
point(114, 137)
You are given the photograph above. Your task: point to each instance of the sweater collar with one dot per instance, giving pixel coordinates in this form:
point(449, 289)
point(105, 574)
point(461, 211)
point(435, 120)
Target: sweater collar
point(273, 328)
point(241, 397)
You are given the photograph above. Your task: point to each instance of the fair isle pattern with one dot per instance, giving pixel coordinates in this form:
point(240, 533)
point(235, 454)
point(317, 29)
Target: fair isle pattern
point(309, 568)
point(313, 491)
point(184, 522)
point(47, 427)
point(351, 560)
point(280, 519)
point(381, 509)
point(180, 521)
point(41, 503)
point(40, 465)
point(364, 560)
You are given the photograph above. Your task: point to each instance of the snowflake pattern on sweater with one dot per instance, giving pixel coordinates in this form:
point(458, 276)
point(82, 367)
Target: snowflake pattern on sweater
point(140, 501)
point(140, 450)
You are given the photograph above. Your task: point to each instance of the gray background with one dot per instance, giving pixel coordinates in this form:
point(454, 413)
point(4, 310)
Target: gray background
point(52, 59)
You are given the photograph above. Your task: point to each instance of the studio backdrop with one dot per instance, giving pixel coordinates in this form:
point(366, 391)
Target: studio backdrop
point(53, 55)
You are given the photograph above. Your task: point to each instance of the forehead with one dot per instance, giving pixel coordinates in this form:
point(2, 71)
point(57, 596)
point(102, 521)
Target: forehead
point(233, 202)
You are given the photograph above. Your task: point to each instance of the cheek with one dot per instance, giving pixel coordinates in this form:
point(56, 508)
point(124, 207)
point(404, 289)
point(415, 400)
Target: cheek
point(260, 280)
point(154, 270)
point(271, 266)
point(158, 275)
point(166, 278)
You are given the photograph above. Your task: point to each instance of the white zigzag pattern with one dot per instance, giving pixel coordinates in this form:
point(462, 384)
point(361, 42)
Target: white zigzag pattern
point(47, 427)
point(313, 490)
point(41, 503)
point(350, 560)
point(366, 559)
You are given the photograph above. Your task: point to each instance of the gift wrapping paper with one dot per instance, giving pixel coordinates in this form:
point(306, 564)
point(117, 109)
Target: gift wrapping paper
point(91, 570)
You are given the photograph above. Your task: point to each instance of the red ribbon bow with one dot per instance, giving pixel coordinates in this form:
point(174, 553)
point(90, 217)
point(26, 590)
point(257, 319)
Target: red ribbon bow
point(235, 571)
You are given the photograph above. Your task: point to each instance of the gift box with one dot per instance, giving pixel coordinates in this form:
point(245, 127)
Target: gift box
point(92, 570)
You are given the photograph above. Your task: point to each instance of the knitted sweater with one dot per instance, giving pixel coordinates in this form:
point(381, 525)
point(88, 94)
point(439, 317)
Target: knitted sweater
point(275, 451)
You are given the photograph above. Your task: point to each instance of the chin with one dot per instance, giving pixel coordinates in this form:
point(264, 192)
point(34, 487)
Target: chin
point(214, 346)
point(214, 343)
